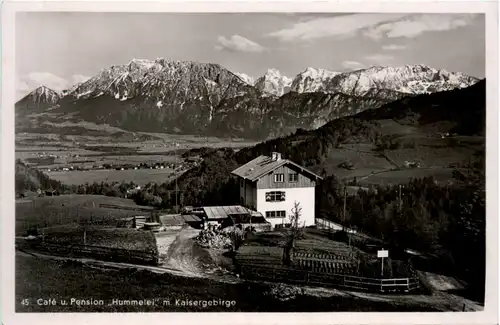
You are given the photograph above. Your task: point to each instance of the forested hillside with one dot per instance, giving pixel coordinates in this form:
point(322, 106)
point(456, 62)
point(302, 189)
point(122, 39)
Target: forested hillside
point(30, 179)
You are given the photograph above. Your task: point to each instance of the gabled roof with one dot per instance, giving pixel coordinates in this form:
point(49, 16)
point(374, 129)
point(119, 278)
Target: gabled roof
point(262, 165)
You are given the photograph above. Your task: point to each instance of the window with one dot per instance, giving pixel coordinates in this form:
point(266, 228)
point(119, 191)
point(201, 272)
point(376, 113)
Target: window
point(293, 177)
point(275, 196)
point(275, 214)
point(279, 178)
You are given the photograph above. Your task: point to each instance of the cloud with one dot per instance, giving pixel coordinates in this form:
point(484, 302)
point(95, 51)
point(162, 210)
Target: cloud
point(29, 82)
point(413, 26)
point(374, 26)
point(36, 79)
point(78, 78)
point(352, 65)
point(379, 58)
point(339, 26)
point(393, 47)
point(237, 43)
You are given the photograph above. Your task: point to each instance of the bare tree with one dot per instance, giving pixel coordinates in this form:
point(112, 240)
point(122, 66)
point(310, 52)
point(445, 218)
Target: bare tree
point(294, 233)
point(296, 229)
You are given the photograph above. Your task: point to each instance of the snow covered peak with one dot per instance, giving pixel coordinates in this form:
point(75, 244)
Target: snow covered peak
point(246, 78)
point(41, 98)
point(156, 80)
point(45, 93)
point(412, 79)
point(273, 83)
point(271, 72)
point(312, 80)
point(141, 63)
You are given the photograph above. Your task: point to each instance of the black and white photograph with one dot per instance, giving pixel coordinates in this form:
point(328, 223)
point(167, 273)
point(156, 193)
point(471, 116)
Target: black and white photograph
point(249, 162)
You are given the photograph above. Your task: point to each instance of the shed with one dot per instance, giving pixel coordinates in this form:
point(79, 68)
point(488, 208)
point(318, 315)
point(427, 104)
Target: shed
point(179, 220)
point(253, 220)
point(220, 213)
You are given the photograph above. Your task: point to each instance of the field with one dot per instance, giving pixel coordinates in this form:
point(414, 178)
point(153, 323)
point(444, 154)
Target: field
point(68, 209)
point(403, 176)
point(108, 145)
point(141, 144)
point(139, 176)
point(435, 154)
point(121, 238)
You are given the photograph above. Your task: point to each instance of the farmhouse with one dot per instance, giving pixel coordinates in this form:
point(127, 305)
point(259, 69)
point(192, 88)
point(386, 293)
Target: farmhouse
point(272, 185)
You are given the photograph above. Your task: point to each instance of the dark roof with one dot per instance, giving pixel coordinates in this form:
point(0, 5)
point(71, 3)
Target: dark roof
point(177, 219)
point(260, 166)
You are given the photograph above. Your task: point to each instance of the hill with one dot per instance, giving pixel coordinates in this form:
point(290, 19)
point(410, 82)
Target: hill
point(464, 109)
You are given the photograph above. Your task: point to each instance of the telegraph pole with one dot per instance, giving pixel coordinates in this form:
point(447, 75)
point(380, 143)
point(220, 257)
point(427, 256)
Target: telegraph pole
point(400, 200)
point(176, 187)
point(345, 204)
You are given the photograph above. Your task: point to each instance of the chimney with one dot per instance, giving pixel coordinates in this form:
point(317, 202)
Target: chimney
point(276, 156)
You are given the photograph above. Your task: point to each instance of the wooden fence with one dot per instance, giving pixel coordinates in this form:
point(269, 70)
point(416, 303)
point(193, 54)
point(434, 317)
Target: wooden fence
point(292, 275)
point(97, 252)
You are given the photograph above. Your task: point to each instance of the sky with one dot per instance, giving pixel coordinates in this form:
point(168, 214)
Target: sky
point(59, 49)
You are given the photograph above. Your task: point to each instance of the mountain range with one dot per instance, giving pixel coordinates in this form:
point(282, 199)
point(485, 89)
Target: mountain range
point(205, 98)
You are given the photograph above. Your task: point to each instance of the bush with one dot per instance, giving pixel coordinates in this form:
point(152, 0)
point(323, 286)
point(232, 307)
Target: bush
point(341, 236)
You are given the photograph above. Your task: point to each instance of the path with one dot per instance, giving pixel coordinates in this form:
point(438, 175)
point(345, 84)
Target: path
point(441, 300)
point(181, 256)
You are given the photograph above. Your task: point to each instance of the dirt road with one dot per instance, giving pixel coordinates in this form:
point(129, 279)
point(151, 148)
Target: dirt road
point(185, 264)
point(181, 254)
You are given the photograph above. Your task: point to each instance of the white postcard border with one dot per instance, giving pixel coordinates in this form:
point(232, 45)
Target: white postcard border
point(7, 197)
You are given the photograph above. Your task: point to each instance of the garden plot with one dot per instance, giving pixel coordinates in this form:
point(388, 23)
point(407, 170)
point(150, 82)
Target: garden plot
point(120, 238)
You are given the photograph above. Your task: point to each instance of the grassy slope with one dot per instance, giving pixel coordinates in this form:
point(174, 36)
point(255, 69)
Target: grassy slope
point(63, 280)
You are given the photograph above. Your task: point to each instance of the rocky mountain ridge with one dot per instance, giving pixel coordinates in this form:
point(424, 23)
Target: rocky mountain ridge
point(204, 98)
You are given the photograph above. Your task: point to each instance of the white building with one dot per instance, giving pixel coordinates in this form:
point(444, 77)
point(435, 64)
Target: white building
point(271, 186)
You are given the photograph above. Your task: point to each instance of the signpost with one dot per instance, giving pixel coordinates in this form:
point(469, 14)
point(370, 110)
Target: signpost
point(382, 254)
